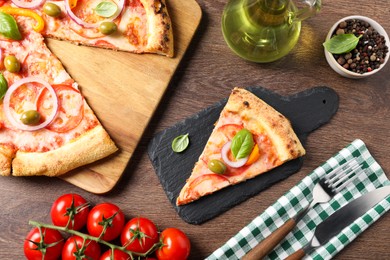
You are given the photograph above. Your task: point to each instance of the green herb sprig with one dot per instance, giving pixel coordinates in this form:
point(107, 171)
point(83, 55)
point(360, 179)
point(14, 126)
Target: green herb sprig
point(8, 27)
point(3, 86)
point(341, 43)
point(106, 9)
point(242, 144)
point(180, 143)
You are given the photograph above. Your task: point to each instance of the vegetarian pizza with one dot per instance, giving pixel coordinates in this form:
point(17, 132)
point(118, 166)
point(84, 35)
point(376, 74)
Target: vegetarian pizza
point(46, 125)
point(139, 26)
point(250, 138)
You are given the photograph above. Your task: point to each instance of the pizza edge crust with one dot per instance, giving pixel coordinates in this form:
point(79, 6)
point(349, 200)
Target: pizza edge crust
point(6, 155)
point(277, 126)
point(89, 147)
point(160, 28)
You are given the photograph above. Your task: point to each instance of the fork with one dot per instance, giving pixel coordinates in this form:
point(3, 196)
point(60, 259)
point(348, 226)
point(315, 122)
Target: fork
point(323, 191)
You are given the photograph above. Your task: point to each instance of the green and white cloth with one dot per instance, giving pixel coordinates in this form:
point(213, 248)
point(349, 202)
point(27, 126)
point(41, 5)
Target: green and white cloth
point(299, 197)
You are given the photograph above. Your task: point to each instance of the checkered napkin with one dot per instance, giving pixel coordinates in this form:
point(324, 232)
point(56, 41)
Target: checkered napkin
point(299, 197)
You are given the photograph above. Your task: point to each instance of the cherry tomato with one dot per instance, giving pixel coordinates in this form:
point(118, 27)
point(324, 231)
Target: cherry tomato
point(118, 255)
point(53, 243)
point(139, 235)
point(76, 248)
point(72, 209)
point(175, 245)
point(105, 214)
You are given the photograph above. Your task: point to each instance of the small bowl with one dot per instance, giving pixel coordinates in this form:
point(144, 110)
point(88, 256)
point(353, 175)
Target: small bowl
point(345, 72)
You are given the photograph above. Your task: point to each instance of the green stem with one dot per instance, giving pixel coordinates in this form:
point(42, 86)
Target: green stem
point(97, 239)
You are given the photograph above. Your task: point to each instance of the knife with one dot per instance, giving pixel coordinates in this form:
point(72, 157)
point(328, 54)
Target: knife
point(343, 217)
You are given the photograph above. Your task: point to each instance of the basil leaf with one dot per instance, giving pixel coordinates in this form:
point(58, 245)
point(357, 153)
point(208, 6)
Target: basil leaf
point(106, 9)
point(242, 144)
point(9, 27)
point(180, 143)
point(3, 86)
point(342, 43)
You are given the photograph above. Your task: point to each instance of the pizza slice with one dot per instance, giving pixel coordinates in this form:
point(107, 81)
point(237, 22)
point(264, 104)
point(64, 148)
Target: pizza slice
point(138, 26)
point(46, 125)
point(250, 138)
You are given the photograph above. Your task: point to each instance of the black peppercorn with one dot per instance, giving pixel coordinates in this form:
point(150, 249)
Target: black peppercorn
point(370, 51)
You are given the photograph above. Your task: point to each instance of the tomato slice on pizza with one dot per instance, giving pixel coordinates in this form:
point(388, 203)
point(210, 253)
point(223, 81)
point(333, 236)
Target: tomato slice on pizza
point(249, 139)
point(46, 126)
point(70, 107)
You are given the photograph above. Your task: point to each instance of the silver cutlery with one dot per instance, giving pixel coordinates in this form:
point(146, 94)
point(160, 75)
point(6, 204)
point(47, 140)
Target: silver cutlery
point(323, 191)
point(342, 218)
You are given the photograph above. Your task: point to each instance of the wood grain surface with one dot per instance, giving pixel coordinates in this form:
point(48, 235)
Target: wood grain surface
point(207, 73)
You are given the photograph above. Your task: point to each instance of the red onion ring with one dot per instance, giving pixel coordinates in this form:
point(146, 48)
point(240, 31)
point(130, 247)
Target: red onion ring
point(7, 98)
point(29, 5)
point(234, 164)
point(72, 15)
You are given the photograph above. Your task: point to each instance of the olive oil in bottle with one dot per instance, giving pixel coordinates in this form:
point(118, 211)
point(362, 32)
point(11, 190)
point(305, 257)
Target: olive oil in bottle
point(260, 30)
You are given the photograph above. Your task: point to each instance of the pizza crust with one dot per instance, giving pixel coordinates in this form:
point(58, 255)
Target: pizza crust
point(276, 125)
point(6, 155)
point(89, 147)
point(160, 28)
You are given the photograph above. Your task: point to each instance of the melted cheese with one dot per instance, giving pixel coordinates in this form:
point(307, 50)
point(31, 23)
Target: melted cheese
point(225, 129)
point(44, 140)
point(37, 61)
point(131, 36)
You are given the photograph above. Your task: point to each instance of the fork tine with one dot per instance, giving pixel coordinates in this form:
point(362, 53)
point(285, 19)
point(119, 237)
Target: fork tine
point(357, 173)
point(343, 176)
point(341, 168)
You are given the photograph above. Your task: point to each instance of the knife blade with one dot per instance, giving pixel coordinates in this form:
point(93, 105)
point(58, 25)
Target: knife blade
point(342, 218)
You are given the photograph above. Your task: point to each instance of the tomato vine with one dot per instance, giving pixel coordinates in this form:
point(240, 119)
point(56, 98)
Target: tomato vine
point(78, 232)
point(96, 239)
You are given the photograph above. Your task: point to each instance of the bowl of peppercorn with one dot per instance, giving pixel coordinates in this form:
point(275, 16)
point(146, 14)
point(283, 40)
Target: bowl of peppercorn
point(357, 47)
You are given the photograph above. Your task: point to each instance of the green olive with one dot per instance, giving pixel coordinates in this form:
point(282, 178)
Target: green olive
point(107, 28)
point(51, 9)
point(216, 166)
point(30, 117)
point(11, 63)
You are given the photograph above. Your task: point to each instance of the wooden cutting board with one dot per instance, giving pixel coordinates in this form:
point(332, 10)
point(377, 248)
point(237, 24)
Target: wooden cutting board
point(124, 90)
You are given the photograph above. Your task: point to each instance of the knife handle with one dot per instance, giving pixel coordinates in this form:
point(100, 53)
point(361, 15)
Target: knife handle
point(266, 246)
point(297, 255)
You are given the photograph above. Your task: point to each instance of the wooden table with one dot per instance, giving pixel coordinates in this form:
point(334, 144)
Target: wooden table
point(207, 73)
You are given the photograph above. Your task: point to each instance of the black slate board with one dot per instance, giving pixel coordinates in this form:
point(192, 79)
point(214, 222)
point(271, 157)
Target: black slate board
point(306, 110)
